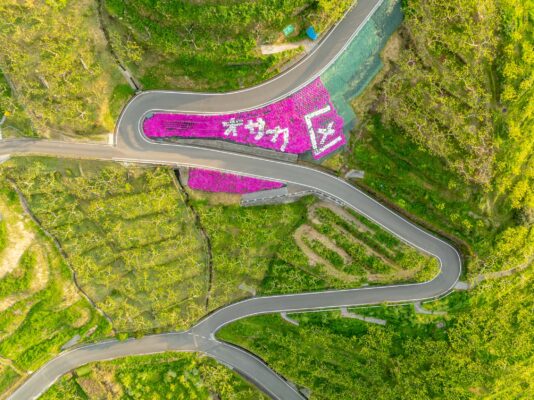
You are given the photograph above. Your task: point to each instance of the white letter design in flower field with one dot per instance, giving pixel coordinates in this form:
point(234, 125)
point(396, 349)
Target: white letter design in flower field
point(306, 121)
point(259, 125)
point(231, 126)
point(324, 129)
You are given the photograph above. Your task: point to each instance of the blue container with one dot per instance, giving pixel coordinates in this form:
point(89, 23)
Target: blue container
point(311, 33)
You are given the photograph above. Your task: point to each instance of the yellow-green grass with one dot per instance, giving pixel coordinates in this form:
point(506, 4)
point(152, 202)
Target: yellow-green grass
point(40, 307)
point(128, 235)
point(64, 81)
point(186, 376)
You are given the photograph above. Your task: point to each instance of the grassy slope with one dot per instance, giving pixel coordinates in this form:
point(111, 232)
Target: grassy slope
point(63, 75)
point(209, 44)
point(494, 218)
point(162, 376)
point(17, 121)
point(484, 351)
point(244, 242)
point(40, 308)
point(255, 247)
point(127, 233)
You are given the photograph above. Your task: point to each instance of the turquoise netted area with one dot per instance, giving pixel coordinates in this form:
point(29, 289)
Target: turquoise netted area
point(355, 68)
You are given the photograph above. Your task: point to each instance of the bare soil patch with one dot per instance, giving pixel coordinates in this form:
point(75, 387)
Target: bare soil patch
point(19, 239)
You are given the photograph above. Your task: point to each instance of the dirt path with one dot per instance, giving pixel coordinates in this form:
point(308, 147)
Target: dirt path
point(38, 282)
point(397, 274)
point(314, 259)
point(360, 226)
point(311, 233)
point(340, 212)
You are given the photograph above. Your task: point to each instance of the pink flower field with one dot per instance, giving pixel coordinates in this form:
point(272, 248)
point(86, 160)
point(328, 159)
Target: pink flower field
point(215, 181)
point(305, 121)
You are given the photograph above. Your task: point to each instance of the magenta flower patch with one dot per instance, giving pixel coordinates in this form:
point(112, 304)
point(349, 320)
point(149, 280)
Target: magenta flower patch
point(304, 121)
point(215, 181)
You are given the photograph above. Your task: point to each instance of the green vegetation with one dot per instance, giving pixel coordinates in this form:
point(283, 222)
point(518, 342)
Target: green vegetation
point(209, 44)
point(341, 249)
point(3, 235)
point(420, 183)
point(40, 307)
point(244, 242)
point(328, 254)
point(373, 248)
point(8, 376)
point(459, 87)
point(61, 73)
point(16, 121)
point(483, 350)
point(120, 96)
point(423, 148)
point(127, 233)
point(162, 376)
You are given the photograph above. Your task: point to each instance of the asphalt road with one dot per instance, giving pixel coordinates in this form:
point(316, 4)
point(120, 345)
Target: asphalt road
point(132, 146)
point(320, 57)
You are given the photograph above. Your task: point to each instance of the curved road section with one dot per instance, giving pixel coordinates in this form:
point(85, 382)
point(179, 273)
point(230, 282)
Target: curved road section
point(132, 146)
point(314, 64)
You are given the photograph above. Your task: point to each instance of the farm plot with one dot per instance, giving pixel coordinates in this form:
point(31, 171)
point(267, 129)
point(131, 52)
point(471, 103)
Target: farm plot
point(348, 244)
point(160, 376)
point(244, 243)
point(128, 235)
point(40, 308)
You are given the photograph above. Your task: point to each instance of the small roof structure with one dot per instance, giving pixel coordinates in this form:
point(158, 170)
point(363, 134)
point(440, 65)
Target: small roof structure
point(310, 31)
point(288, 30)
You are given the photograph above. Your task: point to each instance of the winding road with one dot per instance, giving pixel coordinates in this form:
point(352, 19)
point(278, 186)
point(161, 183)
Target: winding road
point(132, 146)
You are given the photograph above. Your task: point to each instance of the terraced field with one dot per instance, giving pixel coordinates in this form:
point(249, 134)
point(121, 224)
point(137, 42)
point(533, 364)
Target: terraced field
point(127, 233)
point(40, 307)
point(348, 246)
point(161, 376)
point(334, 248)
